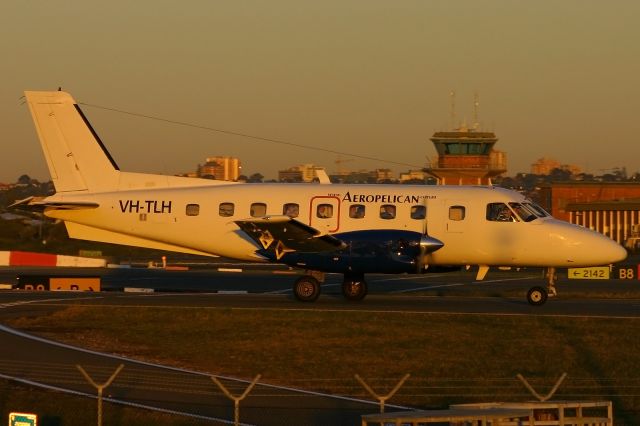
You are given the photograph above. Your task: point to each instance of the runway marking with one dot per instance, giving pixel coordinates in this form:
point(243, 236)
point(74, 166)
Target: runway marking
point(130, 296)
point(229, 269)
point(289, 290)
point(409, 290)
point(347, 310)
point(506, 279)
point(27, 302)
point(411, 277)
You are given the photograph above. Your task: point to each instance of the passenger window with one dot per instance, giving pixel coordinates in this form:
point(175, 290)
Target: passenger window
point(356, 211)
point(418, 212)
point(193, 209)
point(226, 209)
point(291, 209)
point(499, 212)
point(258, 210)
point(387, 211)
point(456, 212)
point(324, 211)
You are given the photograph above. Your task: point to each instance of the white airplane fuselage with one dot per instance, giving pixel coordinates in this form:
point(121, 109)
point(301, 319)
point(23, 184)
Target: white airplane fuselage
point(160, 215)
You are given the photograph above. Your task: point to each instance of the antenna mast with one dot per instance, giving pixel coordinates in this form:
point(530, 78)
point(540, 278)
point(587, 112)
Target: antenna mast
point(452, 95)
point(476, 107)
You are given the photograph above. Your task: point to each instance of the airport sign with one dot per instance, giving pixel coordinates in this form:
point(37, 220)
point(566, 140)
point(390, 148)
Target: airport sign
point(23, 419)
point(593, 273)
point(626, 272)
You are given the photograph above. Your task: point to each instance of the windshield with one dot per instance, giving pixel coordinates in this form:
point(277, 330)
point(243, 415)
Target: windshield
point(525, 213)
point(539, 211)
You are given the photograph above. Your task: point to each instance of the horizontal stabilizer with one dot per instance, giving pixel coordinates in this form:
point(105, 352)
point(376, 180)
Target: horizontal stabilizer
point(39, 204)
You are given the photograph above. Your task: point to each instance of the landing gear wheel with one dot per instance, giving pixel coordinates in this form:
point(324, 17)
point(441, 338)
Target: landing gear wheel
point(306, 289)
point(354, 289)
point(536, 296)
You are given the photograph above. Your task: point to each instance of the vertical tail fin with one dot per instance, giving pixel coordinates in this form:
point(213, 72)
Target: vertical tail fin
point(77, 159)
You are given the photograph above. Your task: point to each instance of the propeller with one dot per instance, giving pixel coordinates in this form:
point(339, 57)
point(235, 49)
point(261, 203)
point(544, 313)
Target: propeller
point(427, 244)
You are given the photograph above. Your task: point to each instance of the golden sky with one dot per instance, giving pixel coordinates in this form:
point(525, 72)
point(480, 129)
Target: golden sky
point(555, 78)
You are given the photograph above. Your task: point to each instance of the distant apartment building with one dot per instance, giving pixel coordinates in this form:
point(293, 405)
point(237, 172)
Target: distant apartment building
point(413, 175)
point(383, 175)
point(300, 173)
point(220, 168)
point(545, 165)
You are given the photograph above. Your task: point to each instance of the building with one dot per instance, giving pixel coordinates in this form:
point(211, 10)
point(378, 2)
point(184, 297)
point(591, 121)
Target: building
point(611, 208)
point(466, 157)
point(300, 173)
point(413, 175)
point(382, 175)
point(220, 168)
point(615, 219)
point(555, 197)
point(545, 165)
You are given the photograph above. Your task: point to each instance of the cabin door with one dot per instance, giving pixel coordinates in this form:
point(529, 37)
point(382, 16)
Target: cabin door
point(455, 216)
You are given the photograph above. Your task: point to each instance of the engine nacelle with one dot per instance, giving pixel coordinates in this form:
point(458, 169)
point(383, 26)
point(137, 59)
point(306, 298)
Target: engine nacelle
point(371, 251)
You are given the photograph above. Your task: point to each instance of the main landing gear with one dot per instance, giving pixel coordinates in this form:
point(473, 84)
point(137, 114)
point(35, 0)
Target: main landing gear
point(354, 287)
point(307, 287)
point(537, 296)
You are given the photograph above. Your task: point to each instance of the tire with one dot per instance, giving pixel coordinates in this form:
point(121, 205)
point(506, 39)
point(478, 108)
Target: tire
point(354, 289)
point(306, 289)
point(537, 296)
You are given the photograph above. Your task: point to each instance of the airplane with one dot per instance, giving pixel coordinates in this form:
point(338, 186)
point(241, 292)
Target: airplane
point(318, 227)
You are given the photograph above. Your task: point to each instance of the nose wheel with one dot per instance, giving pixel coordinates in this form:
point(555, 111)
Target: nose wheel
point(537, 296)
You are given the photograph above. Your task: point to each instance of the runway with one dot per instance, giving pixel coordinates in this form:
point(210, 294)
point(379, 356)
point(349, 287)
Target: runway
point(38, 362)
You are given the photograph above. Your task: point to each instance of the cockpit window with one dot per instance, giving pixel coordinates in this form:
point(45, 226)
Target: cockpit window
point(539, 211)
point(499, 212)
point(523, 212)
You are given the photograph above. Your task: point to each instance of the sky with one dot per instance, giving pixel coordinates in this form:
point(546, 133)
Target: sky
point(559, 79)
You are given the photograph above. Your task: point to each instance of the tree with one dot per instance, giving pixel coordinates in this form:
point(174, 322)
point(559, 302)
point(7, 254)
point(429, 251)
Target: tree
point(255, 178)
point(24, 180)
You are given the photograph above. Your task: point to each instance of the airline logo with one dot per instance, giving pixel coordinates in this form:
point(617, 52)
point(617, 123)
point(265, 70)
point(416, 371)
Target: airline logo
point(386, 198)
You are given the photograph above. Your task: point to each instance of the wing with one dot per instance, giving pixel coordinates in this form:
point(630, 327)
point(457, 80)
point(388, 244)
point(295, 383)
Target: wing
point(284, 234)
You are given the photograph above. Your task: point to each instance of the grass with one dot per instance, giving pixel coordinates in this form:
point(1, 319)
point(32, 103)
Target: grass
point(451, 358)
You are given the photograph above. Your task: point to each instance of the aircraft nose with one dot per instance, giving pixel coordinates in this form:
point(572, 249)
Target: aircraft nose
point(614, 252)
point(603, 249)
point(584, 247)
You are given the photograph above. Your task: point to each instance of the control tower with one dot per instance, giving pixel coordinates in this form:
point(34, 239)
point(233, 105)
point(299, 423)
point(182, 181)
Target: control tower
point(466, 155)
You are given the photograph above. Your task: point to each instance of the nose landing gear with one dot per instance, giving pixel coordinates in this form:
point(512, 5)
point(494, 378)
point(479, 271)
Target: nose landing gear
point(537, 296)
